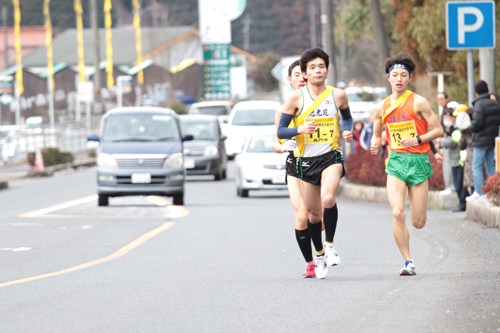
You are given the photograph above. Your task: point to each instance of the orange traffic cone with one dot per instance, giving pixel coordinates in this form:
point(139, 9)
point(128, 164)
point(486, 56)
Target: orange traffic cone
point(39, 166)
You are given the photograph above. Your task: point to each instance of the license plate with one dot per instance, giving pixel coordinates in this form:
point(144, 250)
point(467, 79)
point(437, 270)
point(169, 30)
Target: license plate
point(141, 178)
point(278, 179)
point(189, 163)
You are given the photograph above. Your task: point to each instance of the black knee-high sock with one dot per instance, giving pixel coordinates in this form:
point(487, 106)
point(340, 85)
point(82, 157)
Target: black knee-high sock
point(315, 232)
point(330, 217)
point(304, 241)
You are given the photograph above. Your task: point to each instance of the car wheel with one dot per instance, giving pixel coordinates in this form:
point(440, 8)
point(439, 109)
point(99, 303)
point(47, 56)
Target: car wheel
point(103, 200)
point(218, 176)
point(179, 199)
point(244, 193)
point(224, 174)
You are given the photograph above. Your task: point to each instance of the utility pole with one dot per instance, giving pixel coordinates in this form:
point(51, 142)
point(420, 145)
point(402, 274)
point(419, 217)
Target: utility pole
point(5, 37)
point(312, 22)
point(327, 34)
point(246, 31)
point(154, 13)
point(97, 53)
point(487, 67)
point(380, 38)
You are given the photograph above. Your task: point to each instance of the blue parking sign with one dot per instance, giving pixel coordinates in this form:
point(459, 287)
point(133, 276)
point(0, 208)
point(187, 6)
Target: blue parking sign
point(470, 25)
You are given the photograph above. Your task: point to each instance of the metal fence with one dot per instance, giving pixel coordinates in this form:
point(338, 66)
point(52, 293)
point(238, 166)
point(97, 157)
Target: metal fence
point(17, 142)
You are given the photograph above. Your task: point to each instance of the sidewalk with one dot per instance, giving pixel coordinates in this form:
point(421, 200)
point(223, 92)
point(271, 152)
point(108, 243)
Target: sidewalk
point(23, 169)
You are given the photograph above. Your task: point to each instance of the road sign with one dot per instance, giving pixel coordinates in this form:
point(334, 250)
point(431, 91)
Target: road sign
point(216, 71)
point(6, 90)
point(470, 25)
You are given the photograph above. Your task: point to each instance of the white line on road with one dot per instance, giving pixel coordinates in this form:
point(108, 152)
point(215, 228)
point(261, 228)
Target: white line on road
point(59, 206)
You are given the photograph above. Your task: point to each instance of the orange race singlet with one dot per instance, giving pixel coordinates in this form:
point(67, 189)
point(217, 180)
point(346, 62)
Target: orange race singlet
point(403, 122)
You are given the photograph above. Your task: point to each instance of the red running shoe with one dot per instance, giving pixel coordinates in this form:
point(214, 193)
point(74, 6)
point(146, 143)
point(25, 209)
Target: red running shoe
point(309, 273)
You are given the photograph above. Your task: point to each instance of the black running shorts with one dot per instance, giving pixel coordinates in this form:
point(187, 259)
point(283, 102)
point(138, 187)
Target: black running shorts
point(291, 166)
point(310, 168)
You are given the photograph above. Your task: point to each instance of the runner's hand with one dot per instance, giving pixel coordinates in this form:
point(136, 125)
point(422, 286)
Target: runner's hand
point(308, 128)
point(439, 158)
point(408, 142)
point(289, 145)
point(347, 135)
point(374, 148)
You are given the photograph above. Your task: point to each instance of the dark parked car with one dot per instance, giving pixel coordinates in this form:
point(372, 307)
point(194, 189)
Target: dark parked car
point(140, 153)
point(206, 153)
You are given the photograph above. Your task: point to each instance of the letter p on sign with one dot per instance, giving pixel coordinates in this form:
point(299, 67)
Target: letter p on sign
point(470, 25)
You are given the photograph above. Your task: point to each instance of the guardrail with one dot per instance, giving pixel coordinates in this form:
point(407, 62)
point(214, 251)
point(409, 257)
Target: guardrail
point(16, 143)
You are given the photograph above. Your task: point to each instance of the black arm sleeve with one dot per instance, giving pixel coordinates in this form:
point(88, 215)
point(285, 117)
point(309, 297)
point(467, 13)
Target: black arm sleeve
point(433, 148)
point(284, 132)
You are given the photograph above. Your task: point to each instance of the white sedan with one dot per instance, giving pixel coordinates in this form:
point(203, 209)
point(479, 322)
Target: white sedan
point(259, 167)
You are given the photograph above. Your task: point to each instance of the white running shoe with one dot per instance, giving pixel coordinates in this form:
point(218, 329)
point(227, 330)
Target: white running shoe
point(321, 270)
point(472, 197)
point(409, 268)
point(332, 258)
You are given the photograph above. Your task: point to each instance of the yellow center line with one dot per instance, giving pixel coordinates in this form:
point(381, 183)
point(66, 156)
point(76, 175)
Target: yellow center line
point(121, 252)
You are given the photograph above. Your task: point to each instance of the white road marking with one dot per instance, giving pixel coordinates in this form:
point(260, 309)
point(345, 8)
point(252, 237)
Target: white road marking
point(60, 206)
point(17, 249)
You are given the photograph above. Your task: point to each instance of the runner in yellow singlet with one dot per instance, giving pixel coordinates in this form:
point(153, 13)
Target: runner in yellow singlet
point(407, 117)
point(313, 112)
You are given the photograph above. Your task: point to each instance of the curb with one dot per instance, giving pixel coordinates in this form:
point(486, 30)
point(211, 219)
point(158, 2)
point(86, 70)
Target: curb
point(436, 200)
point(483, 211)
point(49, 171)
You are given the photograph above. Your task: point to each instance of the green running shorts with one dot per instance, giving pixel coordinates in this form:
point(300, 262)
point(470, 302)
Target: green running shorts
point(413, 169)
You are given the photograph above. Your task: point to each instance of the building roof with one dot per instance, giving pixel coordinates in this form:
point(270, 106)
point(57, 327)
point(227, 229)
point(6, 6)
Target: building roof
point(65, 47)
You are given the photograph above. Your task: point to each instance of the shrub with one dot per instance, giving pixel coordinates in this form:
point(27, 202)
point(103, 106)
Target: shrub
point(367, 169)
point(492, 188)
point(51, 156)
point(364, 168)
point(177, 107)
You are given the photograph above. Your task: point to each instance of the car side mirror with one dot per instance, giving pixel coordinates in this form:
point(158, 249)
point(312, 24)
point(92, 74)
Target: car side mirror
point(187, 137)
point(223, 137)
point(225, 121)
point(93, 137)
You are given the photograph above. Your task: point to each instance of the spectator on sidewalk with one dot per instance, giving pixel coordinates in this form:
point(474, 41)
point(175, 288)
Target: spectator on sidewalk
point(366, 135)
point(465, 144)
point(357, 128)
point(494, 96)
point(485, 125)
point(443, 100)
point(457, 170)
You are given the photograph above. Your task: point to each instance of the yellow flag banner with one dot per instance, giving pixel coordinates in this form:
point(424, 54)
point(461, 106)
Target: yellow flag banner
point(138, 41)
point(79, 35)
point(17, 45)
point(109, 46)
point(48, 44)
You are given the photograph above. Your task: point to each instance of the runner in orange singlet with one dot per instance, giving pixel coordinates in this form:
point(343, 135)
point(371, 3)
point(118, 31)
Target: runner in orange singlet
point(407, 117)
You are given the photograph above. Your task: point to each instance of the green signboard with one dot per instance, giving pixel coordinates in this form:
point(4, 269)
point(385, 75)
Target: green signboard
point(5, 90)
point(216, 71)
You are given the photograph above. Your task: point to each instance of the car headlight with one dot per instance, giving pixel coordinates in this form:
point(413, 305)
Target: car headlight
point(106, 161)
point(174, 161)
point(211, 151)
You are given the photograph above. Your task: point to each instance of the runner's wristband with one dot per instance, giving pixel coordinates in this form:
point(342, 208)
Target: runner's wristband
point(419, 139)
point(284, 132)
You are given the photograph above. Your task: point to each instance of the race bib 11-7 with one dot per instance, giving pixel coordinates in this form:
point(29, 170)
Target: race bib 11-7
point(398, 131)
point(325, 131)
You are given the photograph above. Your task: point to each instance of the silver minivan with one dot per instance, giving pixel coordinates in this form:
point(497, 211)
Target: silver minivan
point(140, 153)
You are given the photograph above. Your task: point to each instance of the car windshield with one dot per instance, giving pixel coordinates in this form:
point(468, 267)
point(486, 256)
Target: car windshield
point(141, 128)
point(362, 96)
point(213, 110)
point(261, 144)
point(199, 130)
point(254, 117)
